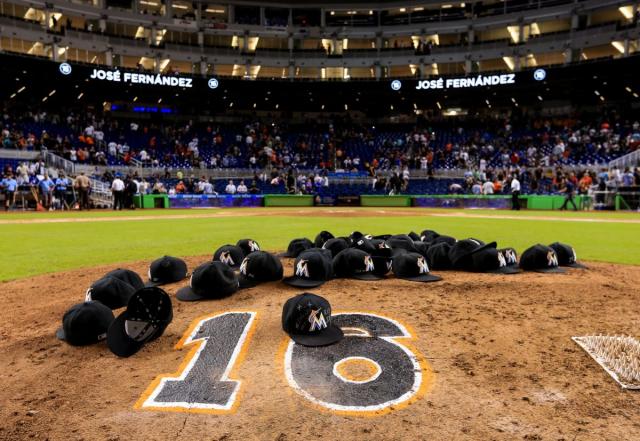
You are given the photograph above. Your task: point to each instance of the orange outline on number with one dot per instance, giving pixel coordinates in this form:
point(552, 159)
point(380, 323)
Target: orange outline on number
point(187, 360)
point(428, 377)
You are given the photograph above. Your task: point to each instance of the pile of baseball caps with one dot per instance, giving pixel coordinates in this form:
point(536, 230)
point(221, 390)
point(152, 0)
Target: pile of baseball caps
point(147, 309)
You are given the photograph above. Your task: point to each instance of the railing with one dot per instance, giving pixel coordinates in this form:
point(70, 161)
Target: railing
point(100, 193)
point(629, 160)
point(59, 163)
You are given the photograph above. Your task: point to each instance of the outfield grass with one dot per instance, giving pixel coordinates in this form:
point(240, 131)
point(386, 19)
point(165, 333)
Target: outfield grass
point(34, 248)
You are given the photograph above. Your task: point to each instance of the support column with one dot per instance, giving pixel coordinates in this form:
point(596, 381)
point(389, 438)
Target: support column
point(378, 71)
point(200, 38)
point(323, 18)
point(245, 43)
point(231, 14)
point(292, 71)
point(156, 64)
point(203, 67)
point(54, 52)
point(290, 18)
point(467, 66)
point(626, 47)
point(263, 18)
point(168, 8)
point(108, 57)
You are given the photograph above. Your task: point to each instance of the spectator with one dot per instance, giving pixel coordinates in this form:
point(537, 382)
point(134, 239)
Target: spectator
point(180, 188)
point(515, 194)
point(242, 189)
point(61, 185)
point(231, 188)
point(487, 187)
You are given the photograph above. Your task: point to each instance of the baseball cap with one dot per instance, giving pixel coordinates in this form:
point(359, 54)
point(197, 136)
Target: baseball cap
point(211, 280)
point(540, 258)
point(566, 255)
point(296, 246)
point(111, 292)
point(321, 238)
point(311, 269)
point(336, 245)
point(438, 256)
point(166, 269)
point(259, 267)
point(248, 246)
point(444, 239)
point(414, 267)
point(131, 277)
point(401, 241)
point(230, 255)
point(421, 247)
point(490, 260)
point(461, 252)
point(148, 314)
point(85, 323)
point(413, 235)
point(307, 319)
point(382, 237)
point(364, 244)
point(354, 263)
point(428, 235)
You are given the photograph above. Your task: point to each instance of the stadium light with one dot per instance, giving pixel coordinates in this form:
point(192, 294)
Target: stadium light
point(81, 95)
point(618, 45)
point(45, 98)
point(626, 11)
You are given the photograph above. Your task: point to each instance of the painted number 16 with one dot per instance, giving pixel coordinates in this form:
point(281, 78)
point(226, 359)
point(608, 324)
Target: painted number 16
point(396, 375)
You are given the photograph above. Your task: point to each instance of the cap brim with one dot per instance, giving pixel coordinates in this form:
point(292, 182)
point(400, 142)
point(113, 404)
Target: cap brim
point(330, 335)
point(299, 282)
point(118, 341)
point(556, 270)
point(504, 270)
point(186, 294)
point(422, 278)
point(245, 282)
point(483, 247)
point(366, 276)
point(577, 265)
point(150, 284)
point(60, 334)
point(286, 254)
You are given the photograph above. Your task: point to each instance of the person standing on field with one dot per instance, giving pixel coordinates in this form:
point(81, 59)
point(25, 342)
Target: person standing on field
point(569, 191)
point(117, 188)
point(82, 185)
point(515, 193)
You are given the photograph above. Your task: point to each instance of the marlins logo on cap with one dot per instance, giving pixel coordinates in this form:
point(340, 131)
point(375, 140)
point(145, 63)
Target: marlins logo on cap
point(552, 258)
point(368, 264)
point(225, 257)
point(243, 266)
point(316, 318)
point(302, 269)
point(423, 268)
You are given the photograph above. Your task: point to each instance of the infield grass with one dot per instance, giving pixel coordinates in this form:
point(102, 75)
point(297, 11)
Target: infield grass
point(33, 248)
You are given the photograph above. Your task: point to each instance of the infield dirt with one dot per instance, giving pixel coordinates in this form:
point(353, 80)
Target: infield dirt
point(499, 348)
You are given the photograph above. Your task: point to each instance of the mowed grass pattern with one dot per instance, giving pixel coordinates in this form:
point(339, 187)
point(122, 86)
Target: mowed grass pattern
point(30, 249)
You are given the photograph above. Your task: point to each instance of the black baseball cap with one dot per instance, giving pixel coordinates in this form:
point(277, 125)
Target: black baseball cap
point(566, 255)
point(401, 241)
point(421, 247)
point(462, 251)
point(382, 260)
point(311, 269)
point(131, 277)
point(248, 246)
point(111, 292)
point(166, 269)
point(296, 246)
point(438, 256)
point(211, 280)
point(354, 263)
point(490, 260)
point(85, 323)
point(336, 245)
point(428, 235)
point(307, 319)
point(414, 267)
point(230, 255)
point(444, 239)
point(321, 238)
point(259, 267)
point(148, 314)
point(364, 244)
point(510, 255)
point(540, 258)
point(414, 236)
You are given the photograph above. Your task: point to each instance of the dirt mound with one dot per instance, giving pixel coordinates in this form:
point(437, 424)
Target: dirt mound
point(500, 363)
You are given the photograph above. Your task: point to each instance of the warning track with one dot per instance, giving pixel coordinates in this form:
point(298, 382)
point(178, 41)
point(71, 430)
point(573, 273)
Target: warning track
point(314, 212)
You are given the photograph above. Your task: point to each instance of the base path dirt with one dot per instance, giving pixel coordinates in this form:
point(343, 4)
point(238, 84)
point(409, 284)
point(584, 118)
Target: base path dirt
point(501, 362)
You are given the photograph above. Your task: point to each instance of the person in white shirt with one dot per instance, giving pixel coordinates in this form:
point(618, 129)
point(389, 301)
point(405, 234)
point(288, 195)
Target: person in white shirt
point(230, 189)
point(242, 189)
point(208, 188)
point(117, 188)
point(515, 193)
point(487, 187)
